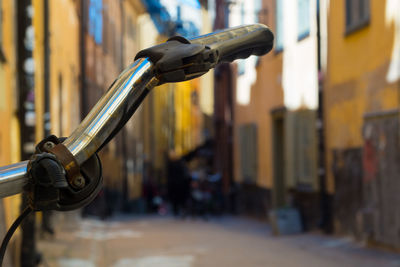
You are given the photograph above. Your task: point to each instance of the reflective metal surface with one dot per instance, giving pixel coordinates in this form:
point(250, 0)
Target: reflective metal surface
point(13, 178)
point(126, 92)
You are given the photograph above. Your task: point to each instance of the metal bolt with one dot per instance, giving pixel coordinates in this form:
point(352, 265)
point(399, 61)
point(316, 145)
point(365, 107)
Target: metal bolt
point(49, 145)
point(79, 182)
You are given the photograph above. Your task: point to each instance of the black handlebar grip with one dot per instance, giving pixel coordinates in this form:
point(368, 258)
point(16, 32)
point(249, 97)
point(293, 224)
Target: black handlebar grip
point(239, 42)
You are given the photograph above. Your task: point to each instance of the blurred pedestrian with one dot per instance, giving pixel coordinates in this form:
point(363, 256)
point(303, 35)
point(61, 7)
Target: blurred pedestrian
point(178, 184)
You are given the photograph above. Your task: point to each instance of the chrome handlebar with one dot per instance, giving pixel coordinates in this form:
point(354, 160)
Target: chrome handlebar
point(13, 178)
point(124, 94)
point(127, 90)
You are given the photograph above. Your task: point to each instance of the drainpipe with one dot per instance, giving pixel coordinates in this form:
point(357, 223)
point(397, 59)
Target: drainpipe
point(26, 114)
point(82, 23)
point(223, 113)
point(46, 59)
point(325, 199)
point(124, 134)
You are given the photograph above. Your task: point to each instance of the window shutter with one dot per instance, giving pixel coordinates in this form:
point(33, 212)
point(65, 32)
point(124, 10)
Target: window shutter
point(248, 152)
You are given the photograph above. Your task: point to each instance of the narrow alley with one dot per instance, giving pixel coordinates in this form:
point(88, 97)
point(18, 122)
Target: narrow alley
point(226, 241)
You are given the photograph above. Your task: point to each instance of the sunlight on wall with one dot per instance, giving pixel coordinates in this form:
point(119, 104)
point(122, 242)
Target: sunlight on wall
point(207, 80)
point(244, 12)
point(324, 15)
point(300, 73)
point(147, 32)
point(392, 17)
point(246, 81)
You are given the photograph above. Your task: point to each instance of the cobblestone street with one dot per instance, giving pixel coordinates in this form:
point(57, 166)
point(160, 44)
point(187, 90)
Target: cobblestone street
point(164, 241)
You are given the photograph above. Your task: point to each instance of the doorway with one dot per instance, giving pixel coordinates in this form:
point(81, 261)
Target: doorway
point(278, 153)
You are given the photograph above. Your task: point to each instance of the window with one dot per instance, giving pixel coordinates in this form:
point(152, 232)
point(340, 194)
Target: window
point(241, 67)
point(303, 19)
point(242, 14)
point(96, 20)
point(357, 15)
point(279, 26)
point(2, 56)
point(257, 9)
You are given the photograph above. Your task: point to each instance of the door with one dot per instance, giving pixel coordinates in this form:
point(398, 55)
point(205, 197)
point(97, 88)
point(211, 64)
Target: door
point(278, 137)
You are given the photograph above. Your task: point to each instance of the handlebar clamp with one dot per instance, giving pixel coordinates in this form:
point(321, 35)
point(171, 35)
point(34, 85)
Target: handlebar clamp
point(179, 60)
point(49, 187)
point(47, 178)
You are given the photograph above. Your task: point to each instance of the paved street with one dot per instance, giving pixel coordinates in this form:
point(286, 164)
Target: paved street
point(164, 241)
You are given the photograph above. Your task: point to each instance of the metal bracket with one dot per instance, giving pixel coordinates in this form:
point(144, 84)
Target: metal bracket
point(179, 60)
point(50, 187)
point(52, 145)
point(47, 178)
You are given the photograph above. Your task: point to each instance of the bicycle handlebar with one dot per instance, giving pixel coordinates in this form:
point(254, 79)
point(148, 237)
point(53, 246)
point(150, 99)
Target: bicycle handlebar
point(13, 178)
point(127, 92)
point(180, 59)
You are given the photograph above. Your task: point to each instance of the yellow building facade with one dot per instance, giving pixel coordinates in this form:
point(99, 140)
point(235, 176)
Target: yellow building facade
point(64, 41)
point(356, 83)
point(253, 162)
point(361, 101)
point(64, 68)
point(275, 106)
point(9, 133)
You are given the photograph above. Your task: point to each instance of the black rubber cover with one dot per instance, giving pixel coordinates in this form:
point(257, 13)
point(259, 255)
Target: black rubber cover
point(238, 42)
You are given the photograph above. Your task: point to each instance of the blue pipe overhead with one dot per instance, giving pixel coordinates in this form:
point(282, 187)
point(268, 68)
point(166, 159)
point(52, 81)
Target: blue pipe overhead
point(169, 24)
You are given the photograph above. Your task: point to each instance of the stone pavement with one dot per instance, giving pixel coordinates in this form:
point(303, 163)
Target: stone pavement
point(168, 242)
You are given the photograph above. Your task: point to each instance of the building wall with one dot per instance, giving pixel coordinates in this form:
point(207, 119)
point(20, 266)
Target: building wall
point(132, 10)
point(103, 53)
point(146, 156)
point(361, 90)
point(206, 94)
point(355, 83)
point(300, 72)
point(268, 89)
point(9, 134)
point(253, 103)
point(277, 95)
point(64, 67)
